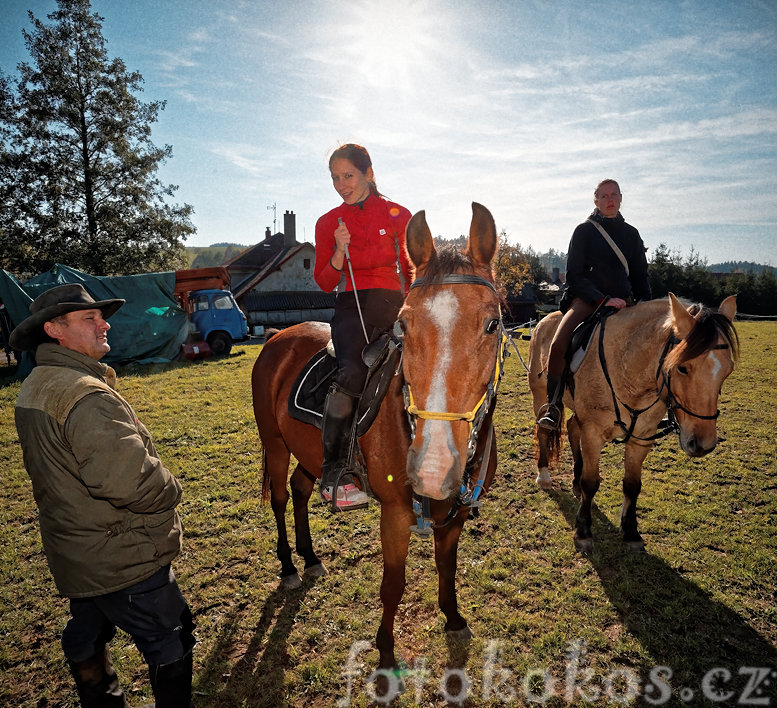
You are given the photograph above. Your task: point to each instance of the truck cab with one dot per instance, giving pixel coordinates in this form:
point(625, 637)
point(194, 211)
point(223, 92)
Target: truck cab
point(219, 321)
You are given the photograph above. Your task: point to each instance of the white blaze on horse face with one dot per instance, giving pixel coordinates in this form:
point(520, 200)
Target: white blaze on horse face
point(716, 364)
point(438, 456)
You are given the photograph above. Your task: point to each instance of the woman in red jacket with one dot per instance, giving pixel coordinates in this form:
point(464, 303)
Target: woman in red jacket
point(369, 230)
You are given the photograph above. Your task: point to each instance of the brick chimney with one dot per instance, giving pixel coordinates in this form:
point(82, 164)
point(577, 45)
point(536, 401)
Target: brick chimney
point(289, 229)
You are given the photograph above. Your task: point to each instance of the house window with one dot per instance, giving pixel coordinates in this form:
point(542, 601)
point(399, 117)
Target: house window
point(306, 263)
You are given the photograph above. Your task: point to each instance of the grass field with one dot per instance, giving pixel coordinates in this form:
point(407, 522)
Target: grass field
point(693, 620)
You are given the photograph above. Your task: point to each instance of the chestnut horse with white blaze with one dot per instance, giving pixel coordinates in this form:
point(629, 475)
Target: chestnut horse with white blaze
point(438, 448)
point(643, 362)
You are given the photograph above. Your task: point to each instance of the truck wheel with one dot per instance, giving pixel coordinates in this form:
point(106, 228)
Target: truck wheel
point(220, 344)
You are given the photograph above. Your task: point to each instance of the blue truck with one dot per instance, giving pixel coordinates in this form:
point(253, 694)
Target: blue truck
point(213, 312)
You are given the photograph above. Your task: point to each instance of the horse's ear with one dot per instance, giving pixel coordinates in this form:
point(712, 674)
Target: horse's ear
point(420, 245)
point(482, 235)
point(682, 320)
point(728, 308)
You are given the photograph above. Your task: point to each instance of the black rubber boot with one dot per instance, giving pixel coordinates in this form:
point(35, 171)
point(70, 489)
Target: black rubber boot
point(336, 429)
point(97, 682)
point(550, 419)
point(172, 683)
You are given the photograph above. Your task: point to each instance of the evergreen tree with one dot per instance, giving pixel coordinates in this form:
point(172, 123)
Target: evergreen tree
point(665, 272)
point(767, 293)
point(77, 166)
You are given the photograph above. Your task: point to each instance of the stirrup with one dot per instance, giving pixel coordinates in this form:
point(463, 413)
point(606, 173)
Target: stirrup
point(353, 497)
point(344, 497)
point(551, 417)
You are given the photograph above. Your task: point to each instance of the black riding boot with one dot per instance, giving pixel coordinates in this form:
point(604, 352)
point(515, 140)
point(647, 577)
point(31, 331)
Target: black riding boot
point(172, 683)
point(97, 682)
point(551, 417)
point(339, 414)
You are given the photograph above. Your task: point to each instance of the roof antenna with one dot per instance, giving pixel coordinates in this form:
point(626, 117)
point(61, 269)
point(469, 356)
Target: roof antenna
point(273, 207)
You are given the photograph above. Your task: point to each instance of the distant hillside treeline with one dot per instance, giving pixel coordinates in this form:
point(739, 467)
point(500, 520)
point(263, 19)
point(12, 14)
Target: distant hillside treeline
point(691, 277)
point(214, 255)
point(740, 266)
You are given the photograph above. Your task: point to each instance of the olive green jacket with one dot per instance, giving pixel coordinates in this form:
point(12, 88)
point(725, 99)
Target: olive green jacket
point(106, 503)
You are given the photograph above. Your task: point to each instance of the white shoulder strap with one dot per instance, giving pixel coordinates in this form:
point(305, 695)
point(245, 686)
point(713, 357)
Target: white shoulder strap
point(609, 240)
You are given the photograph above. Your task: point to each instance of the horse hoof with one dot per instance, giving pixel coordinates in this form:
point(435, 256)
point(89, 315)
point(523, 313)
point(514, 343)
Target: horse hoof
point(544, 480)
point(460, 635)
point(584, 545)
point(316, 571)
point(635, 546)
point(291, 582)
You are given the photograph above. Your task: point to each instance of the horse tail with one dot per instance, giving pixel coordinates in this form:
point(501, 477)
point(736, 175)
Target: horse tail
point(554, 447)
point(265, 479)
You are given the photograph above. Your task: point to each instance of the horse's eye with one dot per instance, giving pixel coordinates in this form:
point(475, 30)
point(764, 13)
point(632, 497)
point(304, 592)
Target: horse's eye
point(683, 370)
point(491, 326)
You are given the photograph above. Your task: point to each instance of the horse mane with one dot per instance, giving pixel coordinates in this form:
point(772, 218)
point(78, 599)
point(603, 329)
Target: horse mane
point(449, 259)
point(710, 324)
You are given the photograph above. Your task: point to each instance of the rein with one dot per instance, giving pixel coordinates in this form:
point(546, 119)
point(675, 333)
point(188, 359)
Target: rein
point(671, 402)
point(475, 418)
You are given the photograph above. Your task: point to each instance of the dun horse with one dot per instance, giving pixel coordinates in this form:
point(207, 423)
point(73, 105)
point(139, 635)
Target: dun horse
point(642, 362)
point(453, 347)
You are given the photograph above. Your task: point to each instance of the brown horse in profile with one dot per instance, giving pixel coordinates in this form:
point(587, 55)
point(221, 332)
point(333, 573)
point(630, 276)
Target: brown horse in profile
point(643, 362)
point(440, 447)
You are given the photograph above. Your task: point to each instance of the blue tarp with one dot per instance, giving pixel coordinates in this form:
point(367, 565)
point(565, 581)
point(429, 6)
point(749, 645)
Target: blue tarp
point(150, 327)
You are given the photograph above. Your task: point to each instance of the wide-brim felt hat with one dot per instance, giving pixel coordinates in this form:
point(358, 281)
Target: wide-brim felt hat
point(57, 301)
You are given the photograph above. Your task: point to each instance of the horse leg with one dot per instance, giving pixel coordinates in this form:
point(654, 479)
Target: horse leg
point(590, 450)
point(634, 456)
point(446, 546)
point(395, 522)
point(543, 480)
point(302, 483)
point(537, 383)
point(277, 469)
point(573, 433)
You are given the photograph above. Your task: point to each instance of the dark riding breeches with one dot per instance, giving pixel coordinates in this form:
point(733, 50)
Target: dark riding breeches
point(577, 312)
point(379, 308)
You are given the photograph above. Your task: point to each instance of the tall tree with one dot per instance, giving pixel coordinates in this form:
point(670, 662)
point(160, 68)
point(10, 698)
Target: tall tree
point(78, 170)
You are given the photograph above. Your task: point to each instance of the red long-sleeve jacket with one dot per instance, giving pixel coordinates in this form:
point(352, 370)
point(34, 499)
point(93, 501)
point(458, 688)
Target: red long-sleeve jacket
point(377, 229)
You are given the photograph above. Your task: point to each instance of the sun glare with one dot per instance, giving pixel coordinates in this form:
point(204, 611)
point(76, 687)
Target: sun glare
point(391, 42)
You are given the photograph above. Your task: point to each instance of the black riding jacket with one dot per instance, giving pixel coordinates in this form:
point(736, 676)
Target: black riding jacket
point(595, 272)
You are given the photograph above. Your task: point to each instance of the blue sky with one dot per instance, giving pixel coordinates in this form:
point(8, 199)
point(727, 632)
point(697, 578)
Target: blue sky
point(522, 106)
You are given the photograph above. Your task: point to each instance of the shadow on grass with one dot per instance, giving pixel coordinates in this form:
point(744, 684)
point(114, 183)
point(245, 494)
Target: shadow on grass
point(679, 624)
point(255, 675)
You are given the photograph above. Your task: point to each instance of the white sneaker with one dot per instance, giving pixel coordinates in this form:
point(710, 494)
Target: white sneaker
point(349, 496)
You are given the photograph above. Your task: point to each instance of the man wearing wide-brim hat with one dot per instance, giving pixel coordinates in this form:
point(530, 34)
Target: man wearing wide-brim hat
point(107, 504)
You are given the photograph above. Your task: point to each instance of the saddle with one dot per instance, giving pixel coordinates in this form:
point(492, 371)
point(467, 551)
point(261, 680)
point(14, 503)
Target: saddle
point(308, 393)
point(579, 343)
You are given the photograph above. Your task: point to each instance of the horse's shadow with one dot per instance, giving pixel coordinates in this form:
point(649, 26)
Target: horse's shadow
point(255, 676)
point(676, 622)
point(257, 673)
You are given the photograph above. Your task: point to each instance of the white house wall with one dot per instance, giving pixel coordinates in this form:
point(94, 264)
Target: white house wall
point(292, 274)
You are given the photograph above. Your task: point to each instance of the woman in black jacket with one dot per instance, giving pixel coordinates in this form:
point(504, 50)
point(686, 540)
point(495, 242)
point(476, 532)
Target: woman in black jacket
point(596, 275)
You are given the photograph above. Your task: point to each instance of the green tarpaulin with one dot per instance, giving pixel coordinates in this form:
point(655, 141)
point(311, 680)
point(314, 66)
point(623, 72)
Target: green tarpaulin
point(150, 327)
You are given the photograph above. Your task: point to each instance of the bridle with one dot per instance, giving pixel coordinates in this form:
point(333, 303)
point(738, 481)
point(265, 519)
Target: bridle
point(671, 401)
point(475, 418)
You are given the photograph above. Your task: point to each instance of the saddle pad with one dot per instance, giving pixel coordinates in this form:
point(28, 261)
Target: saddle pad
point(308, 394)
point(582, 335)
